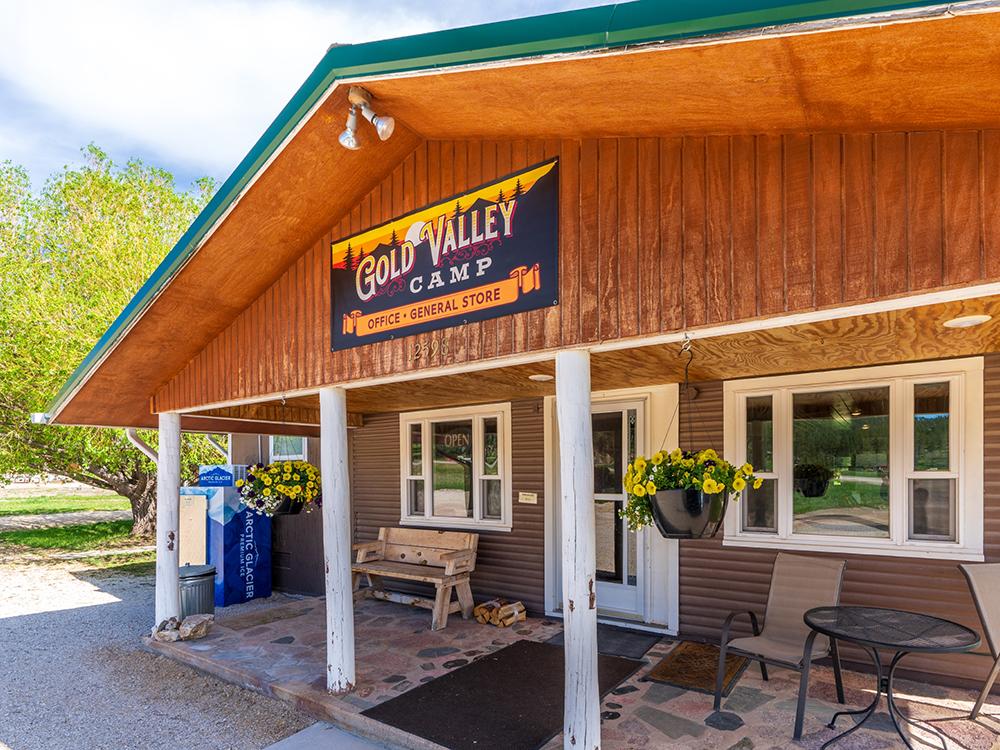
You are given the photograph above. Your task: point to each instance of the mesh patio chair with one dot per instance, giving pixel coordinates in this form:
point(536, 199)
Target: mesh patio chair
point(798, 583)
point(984, 583)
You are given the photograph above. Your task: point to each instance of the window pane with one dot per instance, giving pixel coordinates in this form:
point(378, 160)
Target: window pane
point(416, 497)
point(760, 433)
point(608, 476)
point(932, 509)
point(287, 446)
point(491, 450)
point(840, 448)
point(930, 427)
point(492, 503)
point(610, 552)
point(452, 472)
point(759, 507)
point(416, 453)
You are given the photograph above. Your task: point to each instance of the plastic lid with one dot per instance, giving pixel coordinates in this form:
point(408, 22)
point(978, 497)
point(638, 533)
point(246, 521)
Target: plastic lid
point(196, 571)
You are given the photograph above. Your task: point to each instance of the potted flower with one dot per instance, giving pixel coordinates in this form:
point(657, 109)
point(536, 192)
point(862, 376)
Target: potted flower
point(812, 480)
point(685, 494)
point(280, 488)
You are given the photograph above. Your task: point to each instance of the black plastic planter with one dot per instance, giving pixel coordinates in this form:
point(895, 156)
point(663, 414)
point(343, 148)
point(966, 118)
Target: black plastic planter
point(688, 514)
point(289, 507)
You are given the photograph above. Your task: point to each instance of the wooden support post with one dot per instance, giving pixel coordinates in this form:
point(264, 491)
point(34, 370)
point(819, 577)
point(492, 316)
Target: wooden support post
point(582, 717)
point(337, 540)
point(168, 500)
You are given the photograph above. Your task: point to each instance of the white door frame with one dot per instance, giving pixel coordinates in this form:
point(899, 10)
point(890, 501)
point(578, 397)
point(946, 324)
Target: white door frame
point(661, 580)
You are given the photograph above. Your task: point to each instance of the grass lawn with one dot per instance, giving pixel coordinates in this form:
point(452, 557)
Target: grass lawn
point(845, 495)
point(103, 535)
point(61, 504)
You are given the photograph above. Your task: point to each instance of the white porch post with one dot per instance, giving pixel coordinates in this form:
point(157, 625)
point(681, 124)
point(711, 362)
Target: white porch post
point(582, 717)
point(337, 540)
point(168, 486)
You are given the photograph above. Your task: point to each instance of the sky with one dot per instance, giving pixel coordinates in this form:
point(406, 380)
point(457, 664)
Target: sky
point(188, 85)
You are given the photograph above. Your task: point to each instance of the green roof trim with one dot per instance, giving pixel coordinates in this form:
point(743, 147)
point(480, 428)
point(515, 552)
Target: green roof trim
point(605, 27)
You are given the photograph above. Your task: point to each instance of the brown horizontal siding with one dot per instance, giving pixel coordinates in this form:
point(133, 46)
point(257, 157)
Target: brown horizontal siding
point(509, 564)
point(743, 226)
point(715, 580)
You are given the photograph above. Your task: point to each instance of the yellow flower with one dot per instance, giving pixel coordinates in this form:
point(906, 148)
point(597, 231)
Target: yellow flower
point(739, 484)
point(657, 459)
point(639, 491)
point(267, 481)
point(310, 484)
point(296, 477)
point(650, 488)
point(288, 465)
point(286, 476)
point(676, 455)
point(629, 484)
point(757, 483)
point(711, 487)
point(640, 464)
point(747, 469)
point(240, 482)
point(267, 491)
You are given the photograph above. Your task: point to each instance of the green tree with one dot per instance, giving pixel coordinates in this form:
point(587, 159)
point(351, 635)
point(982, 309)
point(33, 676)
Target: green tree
point(71, 257)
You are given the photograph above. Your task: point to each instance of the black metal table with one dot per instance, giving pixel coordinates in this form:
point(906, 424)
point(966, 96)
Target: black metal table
point(874, 628)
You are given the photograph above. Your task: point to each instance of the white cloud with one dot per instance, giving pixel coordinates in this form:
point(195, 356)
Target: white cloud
point(189, 84)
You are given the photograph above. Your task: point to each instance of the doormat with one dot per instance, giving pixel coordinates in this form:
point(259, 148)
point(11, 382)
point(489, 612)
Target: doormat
point(512, 698)
point(614, 641)
point(693, 666)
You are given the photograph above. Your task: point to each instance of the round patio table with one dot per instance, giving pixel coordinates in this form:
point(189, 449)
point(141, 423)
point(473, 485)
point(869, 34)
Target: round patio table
point(875, 629)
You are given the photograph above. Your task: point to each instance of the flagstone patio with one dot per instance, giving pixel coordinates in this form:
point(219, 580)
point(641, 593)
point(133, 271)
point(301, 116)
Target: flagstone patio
point(280, 651)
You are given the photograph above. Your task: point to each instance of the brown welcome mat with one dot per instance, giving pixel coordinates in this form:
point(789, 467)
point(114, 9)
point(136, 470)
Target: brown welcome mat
point(693, 666)
point(510, 699)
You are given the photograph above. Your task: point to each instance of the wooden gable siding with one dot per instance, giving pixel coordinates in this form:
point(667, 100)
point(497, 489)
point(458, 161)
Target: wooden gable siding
point(715, 580)
point(655, 235)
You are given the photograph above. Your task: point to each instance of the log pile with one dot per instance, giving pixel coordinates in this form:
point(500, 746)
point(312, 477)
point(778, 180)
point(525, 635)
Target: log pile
point(500, 612)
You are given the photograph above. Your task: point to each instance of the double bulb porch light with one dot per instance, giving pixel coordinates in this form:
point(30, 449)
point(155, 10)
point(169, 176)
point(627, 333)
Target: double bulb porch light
point(361, 99)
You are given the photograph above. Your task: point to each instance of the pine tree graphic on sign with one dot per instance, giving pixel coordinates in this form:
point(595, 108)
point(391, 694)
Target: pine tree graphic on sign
point(518, 190)
point(349, 258)
point(361, 257)
point(458, 208)
point(395, 239)
point(500, 196)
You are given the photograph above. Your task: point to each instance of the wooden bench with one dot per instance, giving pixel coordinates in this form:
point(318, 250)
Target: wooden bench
point(444, 558)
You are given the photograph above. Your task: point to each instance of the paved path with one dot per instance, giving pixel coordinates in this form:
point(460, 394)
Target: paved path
point(48, 520)
point(323, 736)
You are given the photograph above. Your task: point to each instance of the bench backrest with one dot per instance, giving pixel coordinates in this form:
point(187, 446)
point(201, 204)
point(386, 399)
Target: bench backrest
point(424, 546)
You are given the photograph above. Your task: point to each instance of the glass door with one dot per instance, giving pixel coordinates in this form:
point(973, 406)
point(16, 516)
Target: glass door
point(616, 431)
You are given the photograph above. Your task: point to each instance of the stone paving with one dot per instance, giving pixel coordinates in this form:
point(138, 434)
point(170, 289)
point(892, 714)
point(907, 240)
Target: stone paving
point(281, 652)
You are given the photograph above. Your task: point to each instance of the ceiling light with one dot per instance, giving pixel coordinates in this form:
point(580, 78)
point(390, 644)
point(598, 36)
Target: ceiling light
point(865, 427)
point(349, 138)
point(541, 377)
point(967, 321)
point(855, 412)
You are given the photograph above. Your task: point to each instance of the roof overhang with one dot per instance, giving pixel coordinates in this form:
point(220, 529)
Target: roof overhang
point(634, 69)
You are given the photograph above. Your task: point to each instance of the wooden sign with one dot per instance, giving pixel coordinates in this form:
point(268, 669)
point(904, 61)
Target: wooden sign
point(490, 251)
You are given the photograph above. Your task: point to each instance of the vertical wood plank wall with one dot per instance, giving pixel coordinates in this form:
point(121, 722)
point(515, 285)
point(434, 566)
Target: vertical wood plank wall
point(655, 235)
point(509, 564)
point(715, 580)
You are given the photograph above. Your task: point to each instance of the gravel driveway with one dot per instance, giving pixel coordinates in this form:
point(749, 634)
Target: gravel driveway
point(73, 675)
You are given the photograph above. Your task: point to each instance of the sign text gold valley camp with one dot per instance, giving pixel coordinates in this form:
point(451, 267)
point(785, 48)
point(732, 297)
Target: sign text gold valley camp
point(488, 252)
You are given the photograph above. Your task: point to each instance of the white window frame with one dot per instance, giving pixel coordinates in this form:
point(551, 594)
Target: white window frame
point(965, 377)
point(500, 412)
point(289, 456)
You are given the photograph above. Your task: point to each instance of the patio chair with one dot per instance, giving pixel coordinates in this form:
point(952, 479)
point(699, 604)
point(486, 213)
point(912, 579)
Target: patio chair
point(984, 583)
point(798, 584)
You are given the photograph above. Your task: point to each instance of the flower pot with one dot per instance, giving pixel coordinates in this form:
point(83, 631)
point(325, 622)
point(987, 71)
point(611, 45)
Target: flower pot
point(812, 487)
point(289, 507)
point(688, 514)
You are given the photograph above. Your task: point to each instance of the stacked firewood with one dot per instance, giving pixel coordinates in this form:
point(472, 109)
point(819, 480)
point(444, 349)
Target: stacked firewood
point(500, 612)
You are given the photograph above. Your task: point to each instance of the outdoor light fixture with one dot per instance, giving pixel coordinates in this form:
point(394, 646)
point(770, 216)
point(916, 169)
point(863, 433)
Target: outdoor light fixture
point(967, 321)
point(349, 138)
point(361, 99)
point(541, 377)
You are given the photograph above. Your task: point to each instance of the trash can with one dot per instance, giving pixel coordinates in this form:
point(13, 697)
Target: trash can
point(197, 590)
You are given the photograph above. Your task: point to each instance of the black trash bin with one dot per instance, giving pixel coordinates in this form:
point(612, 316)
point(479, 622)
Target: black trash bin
point(197, 590)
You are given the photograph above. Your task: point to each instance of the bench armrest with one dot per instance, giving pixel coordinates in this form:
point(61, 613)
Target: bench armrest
point(459, 561)
point(369, 551)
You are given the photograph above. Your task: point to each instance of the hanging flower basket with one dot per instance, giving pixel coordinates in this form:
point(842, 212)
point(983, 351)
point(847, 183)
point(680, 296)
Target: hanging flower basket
point(281, 488)
point(684, 494)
